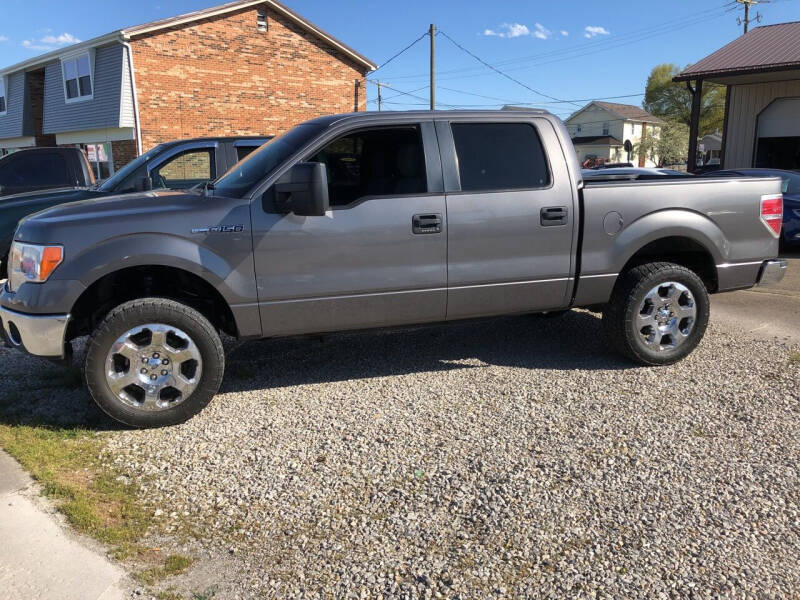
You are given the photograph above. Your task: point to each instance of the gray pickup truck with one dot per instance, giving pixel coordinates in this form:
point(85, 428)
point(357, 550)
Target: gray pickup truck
point(373, 220)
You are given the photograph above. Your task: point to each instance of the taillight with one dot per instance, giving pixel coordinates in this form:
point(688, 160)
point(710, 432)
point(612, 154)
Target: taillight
point(772, 213)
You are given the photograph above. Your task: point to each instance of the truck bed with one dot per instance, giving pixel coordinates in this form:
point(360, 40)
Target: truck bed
point(721, 215)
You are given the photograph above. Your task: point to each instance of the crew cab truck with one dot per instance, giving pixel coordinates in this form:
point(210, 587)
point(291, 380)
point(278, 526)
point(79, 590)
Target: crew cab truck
point(174, 165)
point(372, 220)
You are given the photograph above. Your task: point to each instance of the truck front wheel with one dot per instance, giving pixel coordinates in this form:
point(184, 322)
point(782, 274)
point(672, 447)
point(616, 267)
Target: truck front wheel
point(154, 362)
point(658, 313)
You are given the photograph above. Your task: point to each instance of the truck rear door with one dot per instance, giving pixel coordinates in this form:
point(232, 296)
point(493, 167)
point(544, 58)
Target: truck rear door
point(510, 215)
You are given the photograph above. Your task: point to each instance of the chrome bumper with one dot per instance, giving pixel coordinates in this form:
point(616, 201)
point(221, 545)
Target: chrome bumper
point(40, 335)
point(772, 271)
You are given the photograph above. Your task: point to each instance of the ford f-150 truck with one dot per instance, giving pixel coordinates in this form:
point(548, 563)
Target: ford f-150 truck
point(173, 165)
point(372, 220)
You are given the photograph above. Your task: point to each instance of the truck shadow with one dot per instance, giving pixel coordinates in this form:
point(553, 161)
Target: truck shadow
point(34, 392)
point(570, 342)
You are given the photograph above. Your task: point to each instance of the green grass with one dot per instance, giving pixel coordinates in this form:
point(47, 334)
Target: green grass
point(66, 463)
point(175, 564)
point(795, 358)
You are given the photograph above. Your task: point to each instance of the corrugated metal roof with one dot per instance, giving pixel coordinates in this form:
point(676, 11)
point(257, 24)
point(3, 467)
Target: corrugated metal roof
point(766, 47)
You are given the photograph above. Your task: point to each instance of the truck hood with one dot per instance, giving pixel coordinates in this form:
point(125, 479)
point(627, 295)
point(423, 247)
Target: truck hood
point(109, 215)
point(58, 195)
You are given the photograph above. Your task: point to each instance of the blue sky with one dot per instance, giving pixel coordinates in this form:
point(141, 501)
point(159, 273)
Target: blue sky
point(565, 49)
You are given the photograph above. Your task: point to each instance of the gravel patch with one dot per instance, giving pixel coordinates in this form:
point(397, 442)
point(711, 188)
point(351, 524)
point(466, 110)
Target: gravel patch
point(506, 458)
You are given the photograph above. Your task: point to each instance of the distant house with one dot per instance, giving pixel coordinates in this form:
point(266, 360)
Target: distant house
point(245, 67)
point(609, 132)
point(710, 148)
point(761, 70)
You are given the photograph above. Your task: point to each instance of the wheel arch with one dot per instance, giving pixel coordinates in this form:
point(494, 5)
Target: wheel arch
point(129, 283)
point(681, 236)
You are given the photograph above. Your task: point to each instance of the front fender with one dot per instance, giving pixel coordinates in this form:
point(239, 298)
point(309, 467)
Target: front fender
point(231, 274)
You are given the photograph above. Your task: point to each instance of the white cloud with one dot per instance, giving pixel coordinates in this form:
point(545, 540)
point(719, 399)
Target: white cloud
point(50, 42)
point(4, 38)
point(32, 45)
point(509, 30)
point(60, 40)
point(591, 31)
point(541, 32)
point(564, 32)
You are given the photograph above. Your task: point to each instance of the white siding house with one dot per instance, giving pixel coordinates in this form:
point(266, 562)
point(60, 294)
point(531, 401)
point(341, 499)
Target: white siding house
point(609, 132)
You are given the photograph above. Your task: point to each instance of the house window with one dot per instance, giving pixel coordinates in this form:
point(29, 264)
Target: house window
point(605, 128)
point(2, 95)
point(578, 128)
point(261, 20)
point(77, 77)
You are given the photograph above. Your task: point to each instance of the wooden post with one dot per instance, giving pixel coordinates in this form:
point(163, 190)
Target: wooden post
point(694, 124)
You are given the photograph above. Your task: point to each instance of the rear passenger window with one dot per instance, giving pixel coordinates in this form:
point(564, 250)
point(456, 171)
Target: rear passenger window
point(379, 162)
point(499, 156)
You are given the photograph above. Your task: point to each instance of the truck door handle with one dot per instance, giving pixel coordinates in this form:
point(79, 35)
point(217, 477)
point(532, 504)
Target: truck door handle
point(431, 223)
point(554, 215)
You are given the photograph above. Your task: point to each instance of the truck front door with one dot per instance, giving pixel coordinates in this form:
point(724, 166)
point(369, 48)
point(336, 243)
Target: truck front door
point(510, 213)
point(378, 257)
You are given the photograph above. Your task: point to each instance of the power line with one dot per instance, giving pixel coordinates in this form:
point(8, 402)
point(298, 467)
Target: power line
point(499, 72)
point(600, 45)
point(506, 100)
point(402, 93)
point(402, 51)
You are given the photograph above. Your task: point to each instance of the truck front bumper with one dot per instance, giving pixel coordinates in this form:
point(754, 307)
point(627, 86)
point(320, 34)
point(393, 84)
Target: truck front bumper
point(772, 271)
point(39, 335)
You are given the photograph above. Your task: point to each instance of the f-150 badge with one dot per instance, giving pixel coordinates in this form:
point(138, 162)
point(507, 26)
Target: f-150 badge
point(218, 229)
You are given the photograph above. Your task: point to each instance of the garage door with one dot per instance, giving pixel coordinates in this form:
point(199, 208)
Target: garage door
point(778, 144)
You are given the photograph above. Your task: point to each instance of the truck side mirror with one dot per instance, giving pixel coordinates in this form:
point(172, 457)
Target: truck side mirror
point(303, 190)
point(143, 184)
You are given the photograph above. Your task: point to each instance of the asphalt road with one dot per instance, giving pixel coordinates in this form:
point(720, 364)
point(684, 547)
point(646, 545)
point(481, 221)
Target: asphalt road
point(764, 311)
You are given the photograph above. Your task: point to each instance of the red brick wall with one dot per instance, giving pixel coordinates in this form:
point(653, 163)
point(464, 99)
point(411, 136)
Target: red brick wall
point(123, 152)
point(221, 76)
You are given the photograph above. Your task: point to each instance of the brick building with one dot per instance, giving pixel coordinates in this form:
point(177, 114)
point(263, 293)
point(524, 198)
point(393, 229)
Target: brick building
point(241, 68)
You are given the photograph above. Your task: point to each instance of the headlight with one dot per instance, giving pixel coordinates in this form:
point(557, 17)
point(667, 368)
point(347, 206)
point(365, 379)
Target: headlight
point(31, 262)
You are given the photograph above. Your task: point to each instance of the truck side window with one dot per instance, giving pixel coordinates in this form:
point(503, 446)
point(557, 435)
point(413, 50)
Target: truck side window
point(185, 170)
point(389, 161)
point(499, 156)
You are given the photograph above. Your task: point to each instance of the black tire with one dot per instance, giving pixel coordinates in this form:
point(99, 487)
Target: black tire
point(628, 296)
point(161, 311)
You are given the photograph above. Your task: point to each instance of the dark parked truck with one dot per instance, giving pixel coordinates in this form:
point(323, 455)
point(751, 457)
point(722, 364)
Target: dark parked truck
point(172, 165)
point(373, 220)
point(38, 169)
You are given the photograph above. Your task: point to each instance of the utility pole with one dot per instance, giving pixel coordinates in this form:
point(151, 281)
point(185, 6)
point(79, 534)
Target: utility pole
point(746, 20)
point(379, 84)
point(432, 34)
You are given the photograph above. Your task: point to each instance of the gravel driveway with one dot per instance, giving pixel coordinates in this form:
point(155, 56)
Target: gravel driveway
point(504, 458)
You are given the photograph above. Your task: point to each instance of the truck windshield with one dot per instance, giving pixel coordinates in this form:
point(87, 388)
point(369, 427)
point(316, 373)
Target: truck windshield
point(124, 179)
point(244, 175)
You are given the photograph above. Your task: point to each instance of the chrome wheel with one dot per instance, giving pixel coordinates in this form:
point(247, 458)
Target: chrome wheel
point(666, 316)
point(153, 367)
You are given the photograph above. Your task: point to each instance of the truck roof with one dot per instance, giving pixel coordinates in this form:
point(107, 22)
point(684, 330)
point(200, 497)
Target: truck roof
point(391, 115)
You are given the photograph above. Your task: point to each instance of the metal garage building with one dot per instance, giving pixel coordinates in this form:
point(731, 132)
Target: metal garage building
point(762, 106)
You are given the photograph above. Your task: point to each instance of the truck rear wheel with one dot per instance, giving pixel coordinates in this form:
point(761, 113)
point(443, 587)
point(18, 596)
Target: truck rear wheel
point(658, 313)
point(154, 362)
